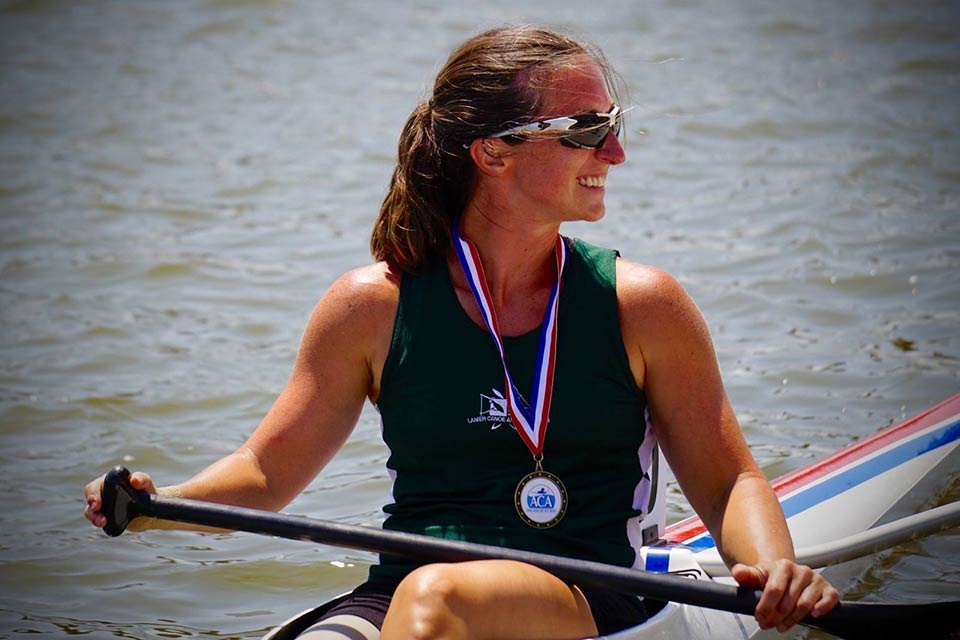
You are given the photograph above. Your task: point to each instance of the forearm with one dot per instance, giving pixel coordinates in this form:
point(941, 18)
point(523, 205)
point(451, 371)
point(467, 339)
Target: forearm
point(146, 523)
point(749, 527)
point(236, 479)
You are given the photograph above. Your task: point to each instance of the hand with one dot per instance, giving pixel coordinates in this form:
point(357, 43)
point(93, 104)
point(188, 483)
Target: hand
point(790, 592)
point(92, 493)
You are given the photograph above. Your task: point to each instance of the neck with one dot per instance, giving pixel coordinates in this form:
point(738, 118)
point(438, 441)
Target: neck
point(518, 259)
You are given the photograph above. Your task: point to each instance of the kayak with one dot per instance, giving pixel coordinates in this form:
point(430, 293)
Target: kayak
point(867, 484)
point(832, 507)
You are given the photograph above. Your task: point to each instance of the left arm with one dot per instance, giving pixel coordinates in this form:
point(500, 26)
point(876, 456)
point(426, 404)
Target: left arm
point(673, 360)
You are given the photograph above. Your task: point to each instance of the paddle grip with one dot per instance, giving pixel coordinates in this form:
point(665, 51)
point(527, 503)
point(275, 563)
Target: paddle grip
point(120, 502)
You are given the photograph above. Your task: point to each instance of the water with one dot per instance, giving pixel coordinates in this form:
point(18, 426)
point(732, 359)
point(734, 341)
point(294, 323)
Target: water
point(179, 183)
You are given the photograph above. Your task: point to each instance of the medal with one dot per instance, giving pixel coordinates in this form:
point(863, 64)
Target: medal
point(540, 499)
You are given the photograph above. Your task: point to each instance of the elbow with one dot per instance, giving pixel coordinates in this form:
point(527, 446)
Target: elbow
point(268, 487)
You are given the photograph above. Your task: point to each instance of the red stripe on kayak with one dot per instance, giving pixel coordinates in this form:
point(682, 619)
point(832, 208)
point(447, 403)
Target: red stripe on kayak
point(691, 527)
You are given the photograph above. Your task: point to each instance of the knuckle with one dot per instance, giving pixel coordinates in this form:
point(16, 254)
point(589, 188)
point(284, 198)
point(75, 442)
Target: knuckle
point(806, 602)
point(775, 589)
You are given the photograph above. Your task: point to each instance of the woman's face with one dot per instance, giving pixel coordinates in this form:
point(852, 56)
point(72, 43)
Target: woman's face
point(556, 183)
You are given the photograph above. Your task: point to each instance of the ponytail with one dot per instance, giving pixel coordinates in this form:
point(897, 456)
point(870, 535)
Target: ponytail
point(413, 229)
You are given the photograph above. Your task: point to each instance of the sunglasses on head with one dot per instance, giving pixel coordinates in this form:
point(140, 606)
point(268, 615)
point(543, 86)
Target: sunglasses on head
point(584, 131)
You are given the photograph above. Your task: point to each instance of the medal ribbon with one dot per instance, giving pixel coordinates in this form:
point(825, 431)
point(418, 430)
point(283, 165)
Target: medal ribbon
point(531, 421)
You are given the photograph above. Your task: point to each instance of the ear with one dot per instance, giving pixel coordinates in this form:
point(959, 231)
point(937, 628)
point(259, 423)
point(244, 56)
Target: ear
point(489, 155)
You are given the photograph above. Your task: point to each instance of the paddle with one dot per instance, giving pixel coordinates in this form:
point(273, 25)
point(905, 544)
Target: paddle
point(851, 620)
point(860, 544)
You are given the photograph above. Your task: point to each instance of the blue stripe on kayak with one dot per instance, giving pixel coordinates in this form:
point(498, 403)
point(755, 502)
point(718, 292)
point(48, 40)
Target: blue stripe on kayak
point(859, 474)
point(658, 560)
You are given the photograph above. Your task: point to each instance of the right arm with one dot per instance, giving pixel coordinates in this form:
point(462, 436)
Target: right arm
point(338, 365)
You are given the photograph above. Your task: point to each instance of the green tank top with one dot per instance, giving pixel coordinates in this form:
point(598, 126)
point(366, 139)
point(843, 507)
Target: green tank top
point(455, 458)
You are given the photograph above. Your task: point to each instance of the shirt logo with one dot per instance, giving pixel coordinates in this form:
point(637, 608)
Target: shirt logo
point(493, 410)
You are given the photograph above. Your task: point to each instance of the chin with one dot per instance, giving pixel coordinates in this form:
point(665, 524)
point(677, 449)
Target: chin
point(594, 216)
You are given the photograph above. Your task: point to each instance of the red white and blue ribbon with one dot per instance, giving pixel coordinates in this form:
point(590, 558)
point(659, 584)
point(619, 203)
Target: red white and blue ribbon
point(530, 419)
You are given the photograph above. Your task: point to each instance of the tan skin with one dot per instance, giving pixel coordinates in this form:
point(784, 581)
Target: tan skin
point(521, 196)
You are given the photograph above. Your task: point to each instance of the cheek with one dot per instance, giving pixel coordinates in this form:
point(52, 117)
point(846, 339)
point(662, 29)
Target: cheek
point(552, 174)
point(549, 186)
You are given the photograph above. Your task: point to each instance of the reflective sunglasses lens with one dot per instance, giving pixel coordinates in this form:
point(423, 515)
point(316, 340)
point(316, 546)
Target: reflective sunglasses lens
point(595, 137)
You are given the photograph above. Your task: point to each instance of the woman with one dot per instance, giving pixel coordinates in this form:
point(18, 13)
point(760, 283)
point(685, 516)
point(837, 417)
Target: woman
point(474, 295)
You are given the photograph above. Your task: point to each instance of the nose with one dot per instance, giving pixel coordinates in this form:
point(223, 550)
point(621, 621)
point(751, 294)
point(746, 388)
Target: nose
point(611, 151)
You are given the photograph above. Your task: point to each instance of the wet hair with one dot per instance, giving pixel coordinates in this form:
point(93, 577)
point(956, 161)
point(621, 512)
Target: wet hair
point(492, 82)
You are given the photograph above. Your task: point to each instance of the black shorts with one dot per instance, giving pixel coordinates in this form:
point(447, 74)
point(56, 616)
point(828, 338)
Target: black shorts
point(612, 611)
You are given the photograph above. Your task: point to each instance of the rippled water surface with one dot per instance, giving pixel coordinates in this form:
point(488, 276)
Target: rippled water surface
point(180, 182)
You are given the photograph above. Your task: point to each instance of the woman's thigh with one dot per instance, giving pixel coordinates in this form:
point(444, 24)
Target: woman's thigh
point(488, 599)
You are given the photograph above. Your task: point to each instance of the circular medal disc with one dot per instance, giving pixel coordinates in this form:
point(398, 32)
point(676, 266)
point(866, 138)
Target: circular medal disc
point(541, 499)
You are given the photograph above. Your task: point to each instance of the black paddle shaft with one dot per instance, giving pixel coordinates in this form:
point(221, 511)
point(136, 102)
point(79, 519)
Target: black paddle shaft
point(122, 503)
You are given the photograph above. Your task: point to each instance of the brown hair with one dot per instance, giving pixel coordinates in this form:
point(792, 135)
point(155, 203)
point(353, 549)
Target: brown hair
point(489, 84)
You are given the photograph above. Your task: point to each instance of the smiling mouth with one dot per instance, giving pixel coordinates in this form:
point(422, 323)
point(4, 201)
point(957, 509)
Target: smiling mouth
point(592, 181)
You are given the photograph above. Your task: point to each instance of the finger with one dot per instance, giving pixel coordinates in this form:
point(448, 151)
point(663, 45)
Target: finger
point(798, 602)
point(748, 576)
point(803, 592)
point(138, 479)
point(142, 482)
point(757, 578)
point(91, 492)
point(817, 599)
point(94, 516)
point(768, 612)
point(828, 600)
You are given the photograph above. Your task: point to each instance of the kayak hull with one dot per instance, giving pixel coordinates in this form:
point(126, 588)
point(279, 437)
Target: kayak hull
point(682, 621)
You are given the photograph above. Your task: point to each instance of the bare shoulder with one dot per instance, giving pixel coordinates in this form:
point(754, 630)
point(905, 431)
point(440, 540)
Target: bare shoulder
point(660, 323)
point(372, 290)
point(357, 310)
point(643, 287)
point(375, 279)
